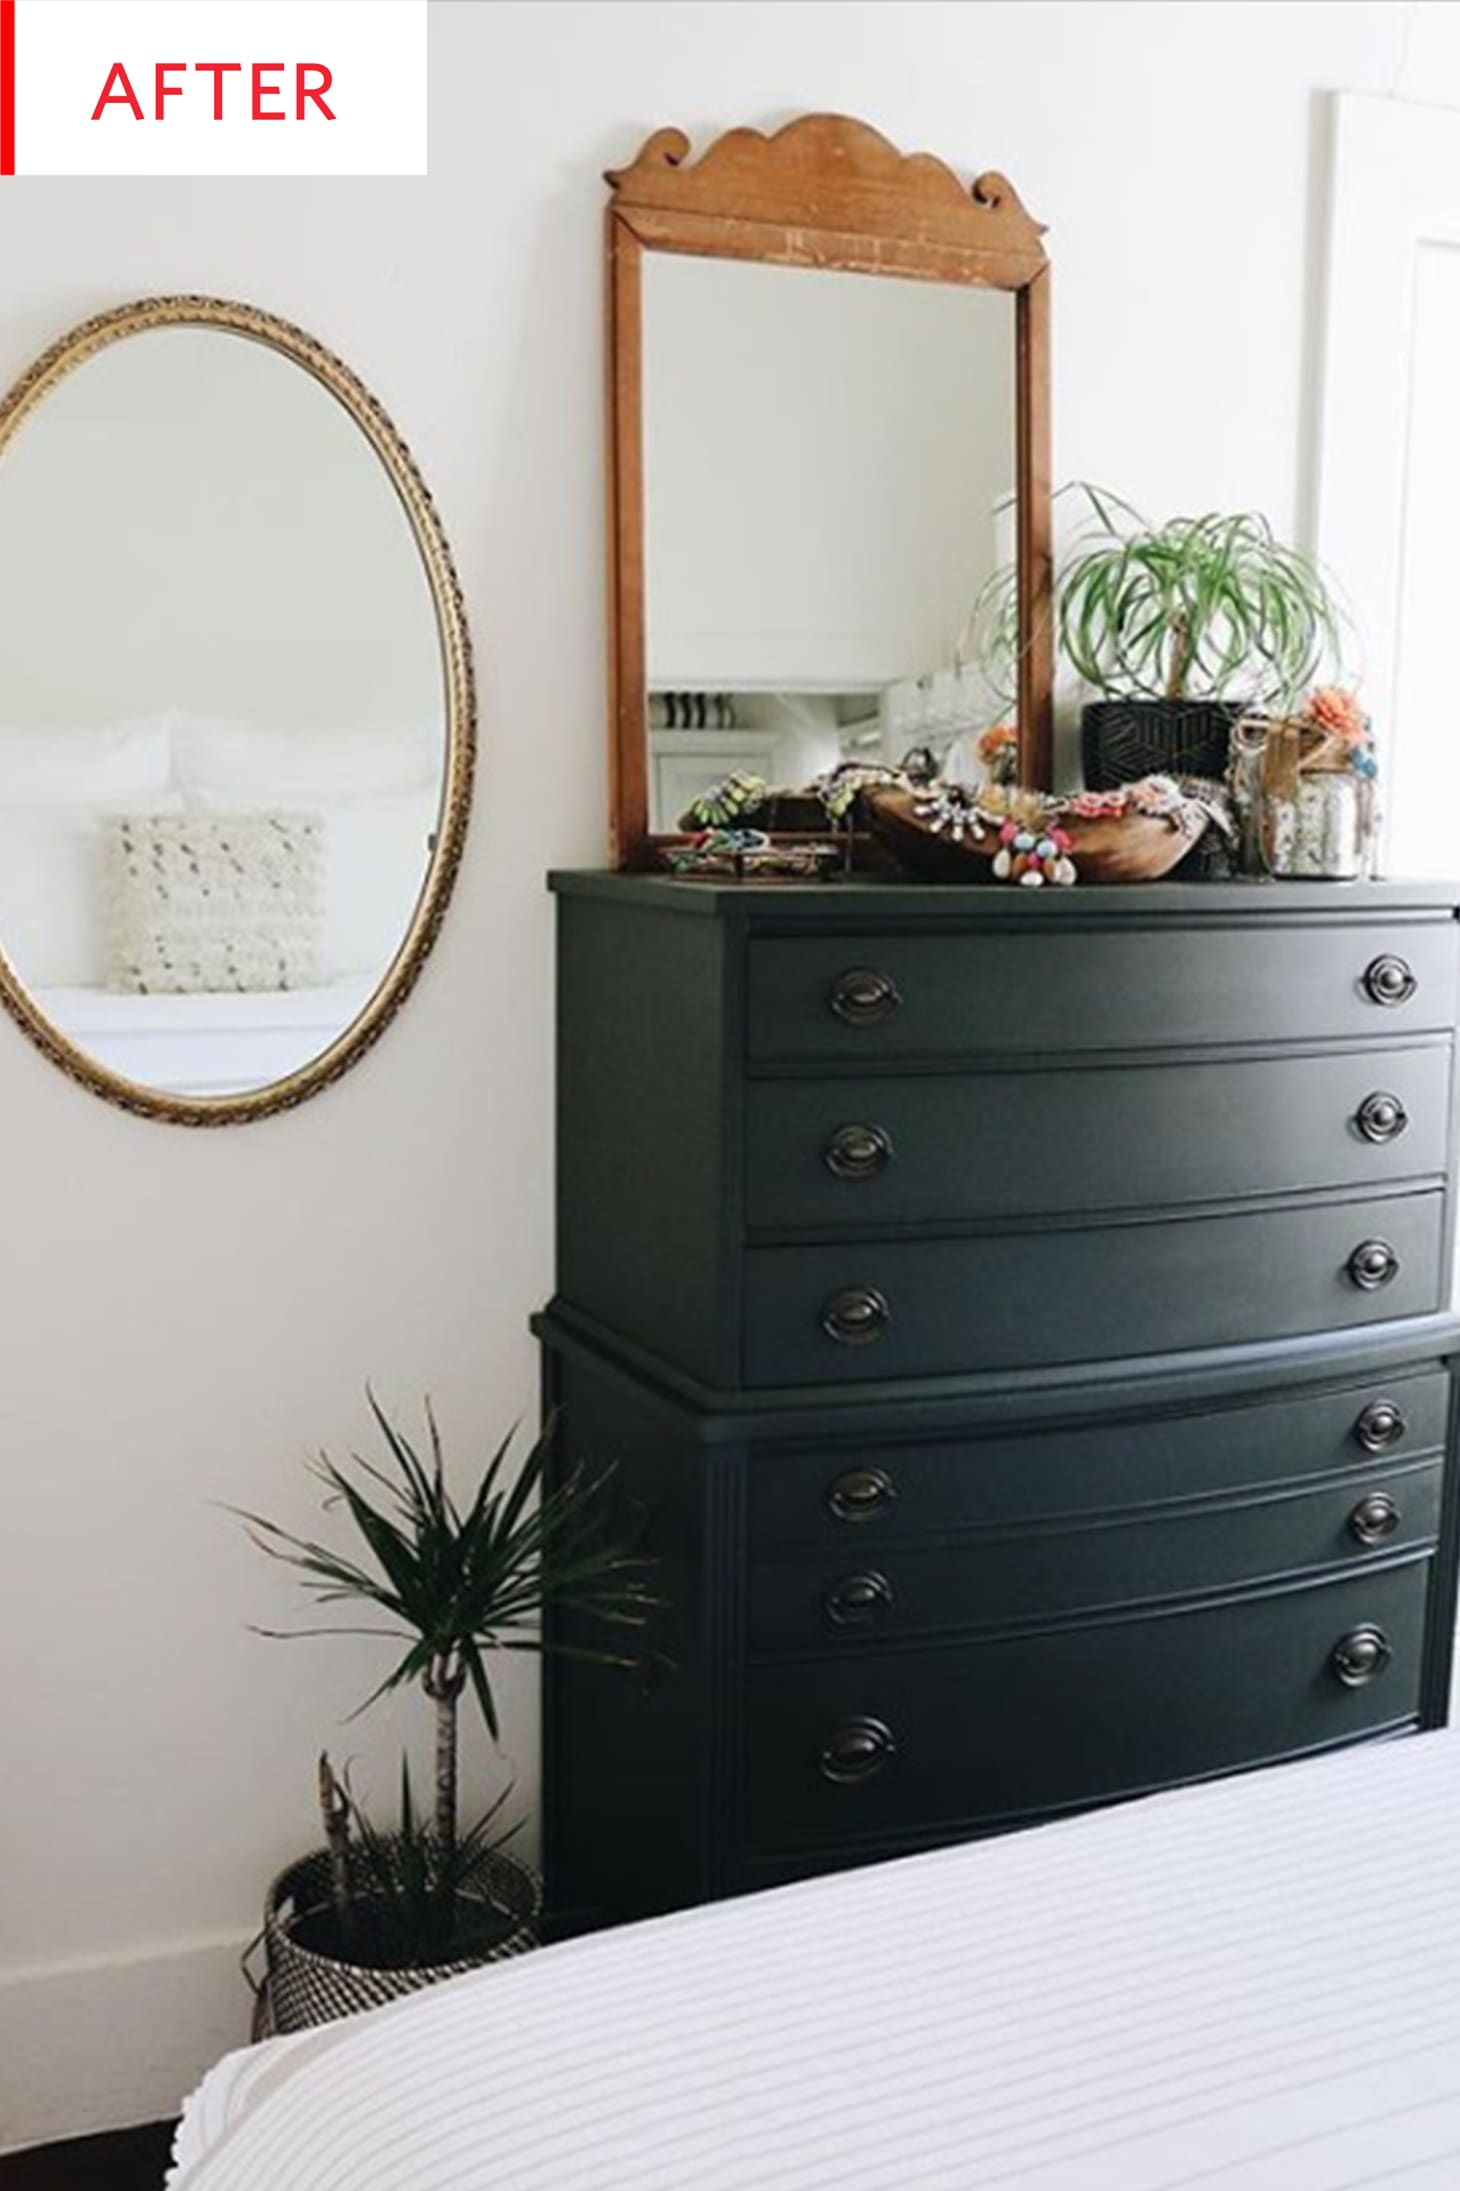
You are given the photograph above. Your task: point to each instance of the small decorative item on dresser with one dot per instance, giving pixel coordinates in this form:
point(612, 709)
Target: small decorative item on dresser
point(1304, 786)
point(1181, 628)
point(946, 832)
point(998, 750)
point(989, 757)
point(831, 805)
point(749, 855)
point(374, 1915)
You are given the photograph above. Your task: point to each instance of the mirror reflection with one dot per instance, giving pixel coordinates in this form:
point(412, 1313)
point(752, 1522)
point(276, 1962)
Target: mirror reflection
point(223, 712)
point(829, 468)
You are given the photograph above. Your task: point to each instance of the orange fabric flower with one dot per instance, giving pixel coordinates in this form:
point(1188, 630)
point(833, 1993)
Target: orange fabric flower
point(1337, 712)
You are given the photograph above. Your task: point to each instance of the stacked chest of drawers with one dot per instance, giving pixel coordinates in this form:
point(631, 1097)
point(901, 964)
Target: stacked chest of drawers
point(1020, 1327)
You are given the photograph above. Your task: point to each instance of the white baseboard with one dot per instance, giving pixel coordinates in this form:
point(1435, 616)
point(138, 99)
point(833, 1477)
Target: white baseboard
point(101, 2045)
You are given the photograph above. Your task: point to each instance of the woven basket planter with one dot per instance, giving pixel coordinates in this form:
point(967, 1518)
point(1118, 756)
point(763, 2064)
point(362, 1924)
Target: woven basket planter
point(304, 1987)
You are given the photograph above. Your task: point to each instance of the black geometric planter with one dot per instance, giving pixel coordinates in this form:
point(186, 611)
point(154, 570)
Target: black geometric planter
point(1122, 740)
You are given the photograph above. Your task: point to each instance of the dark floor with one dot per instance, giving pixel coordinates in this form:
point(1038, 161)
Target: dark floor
point(122, 2160)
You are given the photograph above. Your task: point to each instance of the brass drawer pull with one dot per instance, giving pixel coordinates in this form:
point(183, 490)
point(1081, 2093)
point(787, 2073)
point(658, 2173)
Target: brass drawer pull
point(864, 995)
point(1381, 1117)
point(856, 1316)
point(1375, 1519)
point(1389, 979)
point(1373, 1264)
point(857, 1152)
point(1380, 1426)
point(857, 1751)
point(1360, 1657)
point(861, 1493)
point(856, 1601)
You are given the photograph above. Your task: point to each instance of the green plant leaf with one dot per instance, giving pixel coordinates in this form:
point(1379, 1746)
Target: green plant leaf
point(1214, 603)
point(456, 1582)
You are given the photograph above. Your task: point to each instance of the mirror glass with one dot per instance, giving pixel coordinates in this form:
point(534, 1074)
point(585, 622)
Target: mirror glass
point(829, 469)
point(223, 712)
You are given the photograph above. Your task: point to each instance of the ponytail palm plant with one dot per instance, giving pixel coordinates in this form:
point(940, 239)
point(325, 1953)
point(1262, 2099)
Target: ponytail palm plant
point(1209, 607)
point(454, 1582)
point(1179, 628)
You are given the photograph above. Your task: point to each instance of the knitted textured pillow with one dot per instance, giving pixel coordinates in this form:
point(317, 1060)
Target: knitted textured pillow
point(212, 901)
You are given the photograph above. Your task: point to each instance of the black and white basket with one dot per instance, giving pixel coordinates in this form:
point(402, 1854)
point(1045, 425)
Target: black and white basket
point(303, 1988)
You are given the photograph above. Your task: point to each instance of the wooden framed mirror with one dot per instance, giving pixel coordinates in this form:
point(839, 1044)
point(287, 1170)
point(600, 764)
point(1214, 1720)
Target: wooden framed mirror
point(812, 480)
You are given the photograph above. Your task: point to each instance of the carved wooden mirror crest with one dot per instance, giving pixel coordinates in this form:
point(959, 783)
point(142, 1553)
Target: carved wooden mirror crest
point(809, 480)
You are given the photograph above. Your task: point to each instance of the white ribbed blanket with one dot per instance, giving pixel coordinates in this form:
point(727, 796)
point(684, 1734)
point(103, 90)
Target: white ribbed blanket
point(1253, 1986)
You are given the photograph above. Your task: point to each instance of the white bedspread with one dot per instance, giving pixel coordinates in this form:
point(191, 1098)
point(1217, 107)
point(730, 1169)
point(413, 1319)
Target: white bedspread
point(1253, 1986)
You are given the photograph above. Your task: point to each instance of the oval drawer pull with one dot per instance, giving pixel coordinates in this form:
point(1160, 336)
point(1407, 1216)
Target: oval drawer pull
point(860, 1493)
point(1375, 1519)
point(1389, 979)
point(1381, 1117)
point(855, 1316)
point(857, 1152)
point(863, 995)
point(1360, 1657)
point(1380, 1425)
point(1373, 1264)
point(856, 1751)
point(856, 1601)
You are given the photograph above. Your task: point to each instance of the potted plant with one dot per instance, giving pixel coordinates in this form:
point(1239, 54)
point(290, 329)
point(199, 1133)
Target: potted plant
point(1182, 628)
point(374, 1915)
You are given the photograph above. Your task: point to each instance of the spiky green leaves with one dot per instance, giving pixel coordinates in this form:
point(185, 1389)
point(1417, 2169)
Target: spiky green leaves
point(455, 1583)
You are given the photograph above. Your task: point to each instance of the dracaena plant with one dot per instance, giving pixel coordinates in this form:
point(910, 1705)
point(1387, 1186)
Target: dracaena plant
point(456, 1582)
point(397, 1898)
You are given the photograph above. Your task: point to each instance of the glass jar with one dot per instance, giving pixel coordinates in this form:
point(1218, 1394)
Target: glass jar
point(1305, 804)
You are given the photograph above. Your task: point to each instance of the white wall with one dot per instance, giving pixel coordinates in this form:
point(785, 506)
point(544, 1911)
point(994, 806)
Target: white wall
point(185, 1314)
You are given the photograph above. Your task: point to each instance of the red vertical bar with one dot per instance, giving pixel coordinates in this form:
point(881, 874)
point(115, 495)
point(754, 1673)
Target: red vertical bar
point(7, 87)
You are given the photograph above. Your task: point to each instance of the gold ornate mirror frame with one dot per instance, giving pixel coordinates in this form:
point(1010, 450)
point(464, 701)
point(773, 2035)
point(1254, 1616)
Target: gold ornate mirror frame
point(824, 191)
point(31, 389)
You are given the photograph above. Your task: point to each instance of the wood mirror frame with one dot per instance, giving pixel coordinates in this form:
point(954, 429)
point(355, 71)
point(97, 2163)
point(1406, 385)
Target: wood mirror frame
point(824, 191)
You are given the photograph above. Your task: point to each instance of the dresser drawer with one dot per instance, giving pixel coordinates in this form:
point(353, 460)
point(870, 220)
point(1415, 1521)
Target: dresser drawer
point(918, 1148)
point(858, 1503)
point(905, 1308)
point(912, 1740)
point(812, 1601)
point(891, 994)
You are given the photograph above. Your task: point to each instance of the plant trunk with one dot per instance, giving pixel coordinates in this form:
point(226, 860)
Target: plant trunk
point(444, 1684)
point(1179, 667)
point(335, 1810)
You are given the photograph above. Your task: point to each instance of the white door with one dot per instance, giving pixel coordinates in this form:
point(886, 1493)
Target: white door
point(1389, 453)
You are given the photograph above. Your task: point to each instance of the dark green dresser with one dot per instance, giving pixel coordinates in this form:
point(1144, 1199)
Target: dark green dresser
point(1020, 1323)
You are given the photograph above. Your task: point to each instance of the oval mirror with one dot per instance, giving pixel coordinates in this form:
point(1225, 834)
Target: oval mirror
point(235, 711)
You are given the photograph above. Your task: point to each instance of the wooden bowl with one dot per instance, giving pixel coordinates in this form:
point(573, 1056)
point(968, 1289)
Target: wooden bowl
point(1107, 848)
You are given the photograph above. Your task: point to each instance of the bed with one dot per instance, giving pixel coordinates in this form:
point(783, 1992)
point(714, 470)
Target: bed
point(1252, 1986)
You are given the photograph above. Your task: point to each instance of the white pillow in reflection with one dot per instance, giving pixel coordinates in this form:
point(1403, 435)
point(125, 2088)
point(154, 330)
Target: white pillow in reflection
point(376, 854)
point(247, 765)
point(100, 765)
point(51, 923)
point(212, 902)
